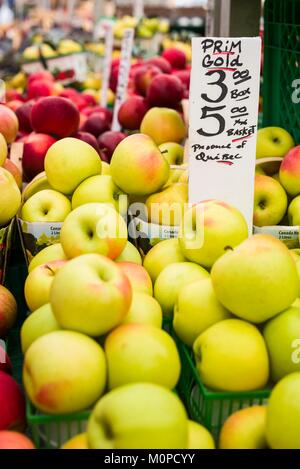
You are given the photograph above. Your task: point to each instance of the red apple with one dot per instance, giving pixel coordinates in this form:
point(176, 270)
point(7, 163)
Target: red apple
point(12, 415)
point(36, 146)
point(9, 124)
point(56, 116)
point(175, 57)
point(14, 440)
point(165, 91)
point(68, 93)
point(143, 77)
point(184, 76)
point(161, 63)
point(14, 104)
point(89, 99)
point(13, 95)
point(108, 142)
point(42, 75)
point(96, 124)
point(107, 113)
point(132, 111)
point(23, 114)
point(113, 79)
point(14, 170)
point(40, 88)
point(88, 138)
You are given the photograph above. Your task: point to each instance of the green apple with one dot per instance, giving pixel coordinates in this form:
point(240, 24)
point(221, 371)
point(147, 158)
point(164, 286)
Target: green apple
point(129, 254)
point(105, 170)
point(141, 353)
point(64, 372)
point(70, 161)
point(138, 277)
point(245, 429)
point(283, 414)
point(209, 229)
point(138, 167)
point(197, 309)
point(282, 336)
point(167, 207)
point(293, 212)
point(38, 283)
point(40, 322)
point(46, 206)
point(54, 252)
point(162, 254)
point(3, 150)
point(171, 279)
point(259, 170)
point(232, 356)
point(99, 189)
point(184, 177)
point(138, 416)
point(257, 280)
point(163, 124)
point(38, 183)
point(270, 201)
point(10, 197)
point(273, 141)
point(94, 228)
point(90, 295)
point(144, 309)
point(199, 437)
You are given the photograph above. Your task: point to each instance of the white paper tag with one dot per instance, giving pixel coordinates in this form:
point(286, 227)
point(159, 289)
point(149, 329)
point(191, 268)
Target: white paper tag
point(109, 40)
point(209, 21)
point(124, 67)
point(284, 233)
point(140, 228)
point(223, 121)
point(138, 9)
point(36, 236)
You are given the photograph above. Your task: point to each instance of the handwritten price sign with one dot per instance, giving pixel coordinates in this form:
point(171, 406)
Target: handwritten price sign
point(223, 120)
point(124, 68)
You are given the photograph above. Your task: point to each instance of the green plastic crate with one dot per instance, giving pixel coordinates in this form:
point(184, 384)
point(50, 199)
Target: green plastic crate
point(210, 408)
point(52, 431)
point(281, 106)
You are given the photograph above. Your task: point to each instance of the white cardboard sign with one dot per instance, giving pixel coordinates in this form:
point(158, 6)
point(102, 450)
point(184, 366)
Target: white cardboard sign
point(138, 9)
point(223, 112)
point(109, 40)
point(124, 67)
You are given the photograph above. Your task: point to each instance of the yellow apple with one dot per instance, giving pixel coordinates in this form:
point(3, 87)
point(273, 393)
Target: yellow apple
point(171, 279)
point(163, 125)
point(38, 283)
point(282, 336)
point(77, 442)
point(245, 429)
point(138, 167)
point(105, 171)
point(167, 207)
point(231, 355)
point(98, 189)
point(46, 206)
point(138, 416)
point(70, 161)
point(283, 414)
point(38, 183)
point(197, 309)
point(38, 323)
point(138, 277)
point(64, 372)
point(257, 280)
point(162, 254)
point(270, 201)
point(54, 252)
point(273, 141)
point(141, 353)
point(199, 437)
point(3, 150)
point(209, 229)
point(10, 197)
point(90, 295)
point(144, 309)
point(94, 228)
point(293, 212)
point(129, 254)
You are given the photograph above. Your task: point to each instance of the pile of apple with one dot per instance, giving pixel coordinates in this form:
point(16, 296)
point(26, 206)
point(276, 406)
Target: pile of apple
point(277, 193)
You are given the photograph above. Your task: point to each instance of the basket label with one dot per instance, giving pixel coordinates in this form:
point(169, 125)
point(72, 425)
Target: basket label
point(37, 236)
point(223, 112)
point(287, 234)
